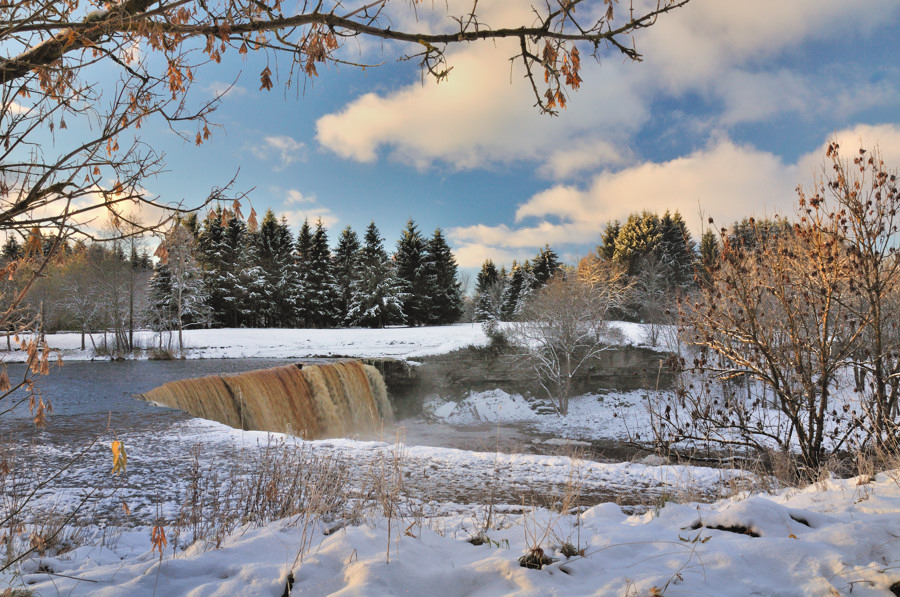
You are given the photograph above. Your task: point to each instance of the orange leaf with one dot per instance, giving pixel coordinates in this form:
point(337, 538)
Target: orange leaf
point(120, 458)
point(158, 539)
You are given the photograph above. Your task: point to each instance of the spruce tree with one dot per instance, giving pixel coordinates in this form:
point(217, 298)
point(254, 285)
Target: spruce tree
point(750, 233)
point(346, 258)
point(442, 301)
point(638, 237)
point(244, 283)
point(321, 288)
point(12, 249)
point(676, 251)
point(274, 255)
point(545, 265)
point(377, 294)
point(211, 244)
point(510, 298)
point(709, 256)
point(486, 277)
point(529, 283)
point(607, 249)
point(409, 260)
point(302, 258)
point(490, 288)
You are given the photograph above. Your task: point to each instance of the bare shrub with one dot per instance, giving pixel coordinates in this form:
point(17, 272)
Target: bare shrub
point(283, 480)
point(563, 327)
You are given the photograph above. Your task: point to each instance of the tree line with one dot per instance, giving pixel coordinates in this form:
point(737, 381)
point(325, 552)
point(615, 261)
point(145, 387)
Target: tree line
point(656, 255)
point(225, 271)
point(83, 286)
point(230, 272)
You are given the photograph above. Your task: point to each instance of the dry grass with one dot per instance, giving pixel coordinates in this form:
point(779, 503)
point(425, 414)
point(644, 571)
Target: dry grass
point(283, 480)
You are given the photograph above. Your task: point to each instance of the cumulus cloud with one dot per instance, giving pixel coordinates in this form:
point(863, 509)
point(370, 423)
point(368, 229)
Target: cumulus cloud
point(725, 181)
point(293, 197)
point(481, 115)
point(281, 149)
point(15, 108)
point(301, 206)
point(296, 217)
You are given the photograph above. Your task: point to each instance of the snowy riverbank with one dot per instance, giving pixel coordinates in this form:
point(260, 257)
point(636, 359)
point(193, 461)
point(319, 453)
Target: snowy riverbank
point(401, 342)
point(836, 537)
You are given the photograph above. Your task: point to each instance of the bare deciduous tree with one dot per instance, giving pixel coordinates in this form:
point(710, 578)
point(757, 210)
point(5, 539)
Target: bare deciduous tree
point(563, 326)
point(774, 327)
point(795, 339)
point(862, 202)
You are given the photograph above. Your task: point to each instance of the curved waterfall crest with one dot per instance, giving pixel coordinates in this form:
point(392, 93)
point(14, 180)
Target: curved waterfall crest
point(311, 401)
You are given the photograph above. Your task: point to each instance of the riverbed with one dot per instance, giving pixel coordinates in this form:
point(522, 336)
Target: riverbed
point(94, 404)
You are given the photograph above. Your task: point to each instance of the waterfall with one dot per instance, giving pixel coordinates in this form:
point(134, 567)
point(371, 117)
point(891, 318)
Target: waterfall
point(311, 401)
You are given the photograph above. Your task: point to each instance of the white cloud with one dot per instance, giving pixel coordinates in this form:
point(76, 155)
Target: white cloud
point(473, 255)
point(483, 114)
point(585, 155)
point(293, 197)
point(753, 96)
point(724, 181)
point(296, 217)
point(15, 108)
point(283, 149)
point(298, 207)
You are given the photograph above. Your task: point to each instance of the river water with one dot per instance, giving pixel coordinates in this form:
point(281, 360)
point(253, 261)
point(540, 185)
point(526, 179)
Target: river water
point(94, 403)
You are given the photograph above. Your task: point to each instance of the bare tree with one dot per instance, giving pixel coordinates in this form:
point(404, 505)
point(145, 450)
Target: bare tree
point(563, 328)
point(82, 302)
point(859, 201)
point(187, 297)
point(653, 295)
point(774, 318)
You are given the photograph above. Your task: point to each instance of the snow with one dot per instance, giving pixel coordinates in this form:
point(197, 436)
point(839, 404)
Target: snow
point(835, 537)
point(492, 406)
point(231, 343)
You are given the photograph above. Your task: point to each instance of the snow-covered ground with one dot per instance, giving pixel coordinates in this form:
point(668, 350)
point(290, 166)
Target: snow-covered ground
point(839, 537)
point(303, 343)
point(611, 415)
point(834, 538)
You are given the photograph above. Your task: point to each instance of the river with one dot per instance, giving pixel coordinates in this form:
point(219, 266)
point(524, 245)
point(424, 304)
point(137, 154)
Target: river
point(93, 404)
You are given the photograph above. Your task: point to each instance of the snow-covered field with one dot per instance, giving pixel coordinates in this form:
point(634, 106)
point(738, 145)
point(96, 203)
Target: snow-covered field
point(304, 343)
point(838, 537)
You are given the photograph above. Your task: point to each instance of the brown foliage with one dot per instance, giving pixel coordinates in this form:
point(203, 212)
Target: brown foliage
point(794, 334)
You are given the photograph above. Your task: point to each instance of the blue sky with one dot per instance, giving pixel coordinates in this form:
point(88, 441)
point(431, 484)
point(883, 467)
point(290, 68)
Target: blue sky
point(729, 111)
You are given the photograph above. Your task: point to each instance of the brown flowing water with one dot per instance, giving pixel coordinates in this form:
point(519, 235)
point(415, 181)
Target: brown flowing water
point(310, 401)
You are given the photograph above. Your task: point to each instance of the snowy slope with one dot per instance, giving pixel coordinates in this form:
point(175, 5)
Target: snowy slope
point(835, 539)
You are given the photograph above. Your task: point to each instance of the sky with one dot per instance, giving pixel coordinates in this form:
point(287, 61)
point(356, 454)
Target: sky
point(729, 111)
